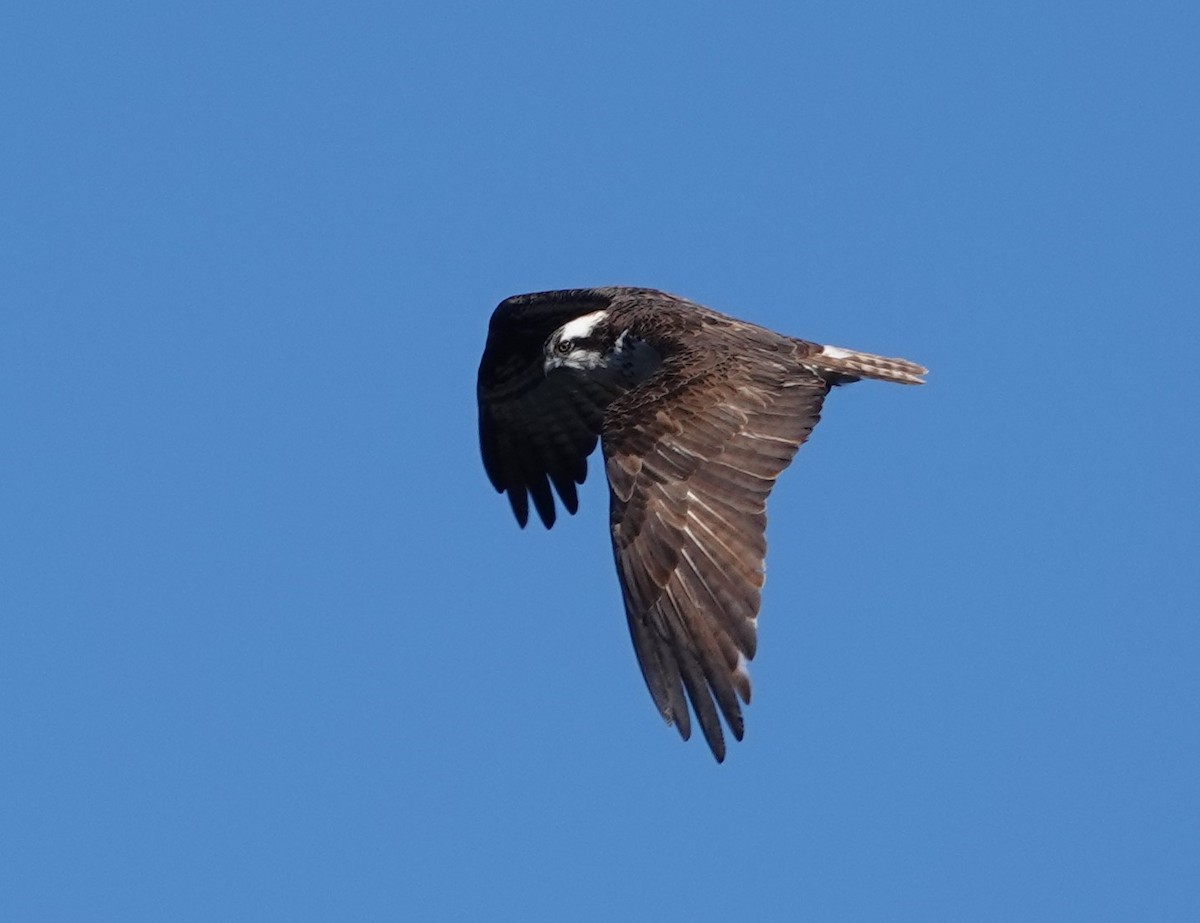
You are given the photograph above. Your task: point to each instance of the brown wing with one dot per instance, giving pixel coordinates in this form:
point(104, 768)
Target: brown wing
point(690, 467)
point(533, 426)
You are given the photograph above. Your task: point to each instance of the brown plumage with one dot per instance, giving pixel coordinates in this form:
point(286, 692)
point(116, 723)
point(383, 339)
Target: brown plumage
point(697, 413)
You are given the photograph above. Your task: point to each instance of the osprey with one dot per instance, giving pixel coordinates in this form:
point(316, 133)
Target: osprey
point(697, 413)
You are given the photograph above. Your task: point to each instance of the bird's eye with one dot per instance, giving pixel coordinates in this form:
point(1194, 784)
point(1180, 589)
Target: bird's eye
point(563, 347)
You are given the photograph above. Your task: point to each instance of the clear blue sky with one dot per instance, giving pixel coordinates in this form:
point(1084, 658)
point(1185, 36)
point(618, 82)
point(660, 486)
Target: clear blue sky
point(272, 649)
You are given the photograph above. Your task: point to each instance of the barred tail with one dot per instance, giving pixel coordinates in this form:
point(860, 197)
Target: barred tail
point(848, 364)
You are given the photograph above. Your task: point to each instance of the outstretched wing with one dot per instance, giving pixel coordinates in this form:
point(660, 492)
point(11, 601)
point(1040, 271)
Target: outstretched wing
point(537, 429)
point(691, 459)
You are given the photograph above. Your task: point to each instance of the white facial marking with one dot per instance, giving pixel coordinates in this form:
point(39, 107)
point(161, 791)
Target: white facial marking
point(626, 362)
point(580, 327)
point(561, 350)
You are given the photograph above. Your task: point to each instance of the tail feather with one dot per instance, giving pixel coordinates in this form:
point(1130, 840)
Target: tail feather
point(848, 364)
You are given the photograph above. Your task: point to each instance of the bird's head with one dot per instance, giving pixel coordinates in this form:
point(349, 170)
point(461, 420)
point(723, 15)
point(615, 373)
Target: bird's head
point(583, 344)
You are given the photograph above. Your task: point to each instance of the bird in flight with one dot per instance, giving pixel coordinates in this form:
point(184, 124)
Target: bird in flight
point(697, 413)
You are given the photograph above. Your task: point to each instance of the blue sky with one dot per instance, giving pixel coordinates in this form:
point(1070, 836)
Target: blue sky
point(272, 649)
